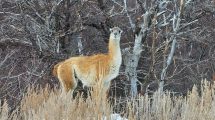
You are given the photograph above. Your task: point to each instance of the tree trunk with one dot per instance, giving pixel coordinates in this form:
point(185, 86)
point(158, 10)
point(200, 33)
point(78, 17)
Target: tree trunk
point(132, 59)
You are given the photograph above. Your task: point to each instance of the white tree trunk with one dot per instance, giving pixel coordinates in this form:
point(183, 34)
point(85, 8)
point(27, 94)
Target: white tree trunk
point(80, 45)
point(176, 23)
point(131, 59)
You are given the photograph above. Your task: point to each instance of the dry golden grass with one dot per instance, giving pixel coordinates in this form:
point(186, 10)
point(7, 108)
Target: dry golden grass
point(46, 105)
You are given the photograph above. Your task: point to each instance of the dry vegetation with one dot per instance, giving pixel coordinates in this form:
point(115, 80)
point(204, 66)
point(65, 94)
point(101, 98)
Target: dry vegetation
point(54, 105)
point(36, 34)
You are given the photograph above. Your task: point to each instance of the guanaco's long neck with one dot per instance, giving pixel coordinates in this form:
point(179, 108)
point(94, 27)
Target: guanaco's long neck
point(114, 50)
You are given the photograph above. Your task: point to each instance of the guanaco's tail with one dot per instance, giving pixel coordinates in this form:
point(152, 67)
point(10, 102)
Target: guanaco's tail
point(54, 71)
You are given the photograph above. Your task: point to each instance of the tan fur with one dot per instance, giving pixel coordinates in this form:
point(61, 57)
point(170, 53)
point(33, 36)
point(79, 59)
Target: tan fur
point(92, 70)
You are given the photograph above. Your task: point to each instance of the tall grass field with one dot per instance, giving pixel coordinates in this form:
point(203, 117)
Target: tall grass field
point(43, 104)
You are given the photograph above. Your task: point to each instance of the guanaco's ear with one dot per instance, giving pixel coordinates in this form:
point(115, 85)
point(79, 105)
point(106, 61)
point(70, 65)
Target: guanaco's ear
point(111, 30)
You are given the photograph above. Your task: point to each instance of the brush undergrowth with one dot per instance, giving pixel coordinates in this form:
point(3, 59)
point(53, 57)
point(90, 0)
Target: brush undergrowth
point(199, 104)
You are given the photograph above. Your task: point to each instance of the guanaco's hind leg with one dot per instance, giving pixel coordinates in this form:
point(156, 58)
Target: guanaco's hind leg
point(66, 77)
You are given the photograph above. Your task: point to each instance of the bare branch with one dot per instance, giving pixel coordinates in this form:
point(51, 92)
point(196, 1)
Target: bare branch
point(129, 17)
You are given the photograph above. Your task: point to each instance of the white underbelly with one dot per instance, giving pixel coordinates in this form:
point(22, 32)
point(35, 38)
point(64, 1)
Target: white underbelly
point(87, 79)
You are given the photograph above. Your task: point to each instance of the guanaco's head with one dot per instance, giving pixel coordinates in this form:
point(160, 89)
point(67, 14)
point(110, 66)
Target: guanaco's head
point(115, 33)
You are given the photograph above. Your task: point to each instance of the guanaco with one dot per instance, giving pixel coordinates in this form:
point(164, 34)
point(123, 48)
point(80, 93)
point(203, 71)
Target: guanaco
point(92, 70)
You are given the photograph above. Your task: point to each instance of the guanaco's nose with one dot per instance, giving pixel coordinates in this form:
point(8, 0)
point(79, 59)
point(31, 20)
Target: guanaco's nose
point(115, 34)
